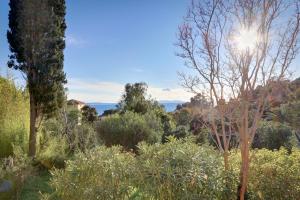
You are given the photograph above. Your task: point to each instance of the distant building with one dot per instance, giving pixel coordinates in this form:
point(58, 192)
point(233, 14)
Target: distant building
point(75, 105)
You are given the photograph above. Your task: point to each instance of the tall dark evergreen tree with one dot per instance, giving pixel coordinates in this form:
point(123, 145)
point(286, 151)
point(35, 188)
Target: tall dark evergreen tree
point(37, 39)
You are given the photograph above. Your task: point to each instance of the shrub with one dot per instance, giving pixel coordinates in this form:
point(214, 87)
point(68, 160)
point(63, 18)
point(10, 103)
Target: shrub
point(89, 114)
point(14, 117)
point(53, 152)
point(179, 132)
point(272, 135)
point(175, 170)
point(181, 170)
point(78, 136)
point(272, 174)
point(183, 117)
point(275, 175)
point(84, 137)
point(102, 173)
point(15, 169)
point(129, 129)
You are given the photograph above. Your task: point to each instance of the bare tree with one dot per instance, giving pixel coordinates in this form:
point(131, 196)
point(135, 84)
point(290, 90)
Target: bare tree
point(238, 49)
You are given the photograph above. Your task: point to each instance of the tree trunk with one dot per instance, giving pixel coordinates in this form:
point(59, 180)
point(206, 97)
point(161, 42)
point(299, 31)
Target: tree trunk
point(242, 193)
point(226, 162)
point(33, 129)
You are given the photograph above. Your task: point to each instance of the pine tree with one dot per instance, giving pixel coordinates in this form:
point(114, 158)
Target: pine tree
point(36, 37)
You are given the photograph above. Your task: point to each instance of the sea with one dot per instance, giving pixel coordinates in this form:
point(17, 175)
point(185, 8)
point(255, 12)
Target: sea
point(101, 107)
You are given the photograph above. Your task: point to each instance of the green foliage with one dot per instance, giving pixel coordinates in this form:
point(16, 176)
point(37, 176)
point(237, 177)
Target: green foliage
point(35, 185)
point(273, 174)
point(129, 129)
point(175, 170)
point(134, 98)
point(103, 173)
point(109, 112)
point(89, 114)
point(53, 152)
point(61, 137)
point(14, 117)
point(181, 170)
point(36, 38)
point(16, 169)
point(39, 27)
point(179, 132)
point(83, 137)
point(183, 117)
point(198, 102)
point(272, 135)
point(167, 120)
point(79, 136)
point(290, 114)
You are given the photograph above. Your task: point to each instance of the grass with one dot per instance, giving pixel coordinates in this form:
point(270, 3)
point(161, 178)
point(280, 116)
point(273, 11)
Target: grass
point(34, 185)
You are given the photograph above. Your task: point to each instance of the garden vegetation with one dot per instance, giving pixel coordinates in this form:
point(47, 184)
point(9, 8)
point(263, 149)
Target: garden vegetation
point(239, 139)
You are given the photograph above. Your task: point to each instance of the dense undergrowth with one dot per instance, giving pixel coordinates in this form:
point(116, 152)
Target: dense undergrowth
point(175, 170)
point(14, 116)
point(86, 162)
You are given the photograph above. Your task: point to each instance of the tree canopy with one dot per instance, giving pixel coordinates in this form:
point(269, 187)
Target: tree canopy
point(36, 38)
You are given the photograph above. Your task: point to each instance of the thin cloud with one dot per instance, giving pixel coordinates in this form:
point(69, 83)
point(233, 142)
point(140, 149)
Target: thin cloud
point(98, 91)
point(75, 41)
point(166, 89)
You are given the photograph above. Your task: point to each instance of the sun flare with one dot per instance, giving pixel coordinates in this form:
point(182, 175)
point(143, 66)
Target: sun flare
point(246, 39)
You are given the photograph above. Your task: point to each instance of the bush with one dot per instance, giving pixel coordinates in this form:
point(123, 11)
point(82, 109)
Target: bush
point(175, 170)
point(14, 117)
point(84, 137)
point(181, 170)
point(179, 132)
point(272, 135)
point(76, 136)
point(103, 173)
point(183, 117)
point(129, 129)
point(273, 174)
point(53, 152)
point(15, 169)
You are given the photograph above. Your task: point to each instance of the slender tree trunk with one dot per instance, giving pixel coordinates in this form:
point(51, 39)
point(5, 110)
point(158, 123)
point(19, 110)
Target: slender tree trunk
point(33, 129)
point(244, 171)
point(226, 162)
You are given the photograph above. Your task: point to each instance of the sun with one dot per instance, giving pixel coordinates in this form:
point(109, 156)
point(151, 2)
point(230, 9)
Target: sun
point(246, 39)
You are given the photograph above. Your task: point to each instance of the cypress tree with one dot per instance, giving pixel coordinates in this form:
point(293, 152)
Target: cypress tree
point(36, 37)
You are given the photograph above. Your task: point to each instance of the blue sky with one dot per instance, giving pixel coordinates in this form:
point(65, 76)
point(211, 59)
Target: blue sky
point(114, 42)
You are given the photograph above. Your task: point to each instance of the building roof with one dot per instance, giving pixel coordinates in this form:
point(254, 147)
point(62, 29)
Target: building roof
point(75, 102)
